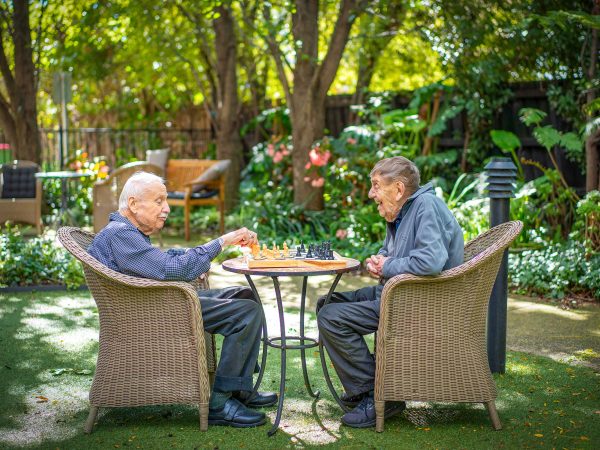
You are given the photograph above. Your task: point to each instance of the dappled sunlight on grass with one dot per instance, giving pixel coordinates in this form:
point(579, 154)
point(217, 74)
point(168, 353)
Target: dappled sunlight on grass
point(529, 307)
point(50, 344)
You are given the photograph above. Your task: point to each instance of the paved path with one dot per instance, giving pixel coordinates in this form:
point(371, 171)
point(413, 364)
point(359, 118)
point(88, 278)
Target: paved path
point(534, 326)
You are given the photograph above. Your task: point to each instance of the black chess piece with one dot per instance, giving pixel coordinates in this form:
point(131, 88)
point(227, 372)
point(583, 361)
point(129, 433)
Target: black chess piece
point(298, 252)
point(302, 248)
point(310, 252)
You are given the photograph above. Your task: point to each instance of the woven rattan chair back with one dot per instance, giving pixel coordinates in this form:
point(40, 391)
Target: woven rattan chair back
point(431, 339)
point(152, 346)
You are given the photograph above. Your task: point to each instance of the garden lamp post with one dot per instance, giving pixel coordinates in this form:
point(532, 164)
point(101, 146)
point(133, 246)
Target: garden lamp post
point(501, 176)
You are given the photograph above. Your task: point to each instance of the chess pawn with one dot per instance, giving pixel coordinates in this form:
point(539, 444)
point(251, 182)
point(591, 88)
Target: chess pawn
point(286, 250)
point(309, 254)
point(302, 248)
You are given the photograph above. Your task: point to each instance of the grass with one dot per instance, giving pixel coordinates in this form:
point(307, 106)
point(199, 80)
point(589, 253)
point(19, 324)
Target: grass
point(542, 403)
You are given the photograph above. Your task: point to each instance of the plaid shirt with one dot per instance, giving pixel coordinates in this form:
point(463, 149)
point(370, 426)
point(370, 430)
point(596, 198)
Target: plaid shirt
point(125, 249)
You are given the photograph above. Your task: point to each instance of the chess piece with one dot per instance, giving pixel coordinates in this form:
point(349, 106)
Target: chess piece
point(298, 252)
point(255, 250)
point(302, 248)
point(286, 250)
point(310, 252)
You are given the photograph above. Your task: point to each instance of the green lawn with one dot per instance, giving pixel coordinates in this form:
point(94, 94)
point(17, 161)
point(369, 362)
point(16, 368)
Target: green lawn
point(542, 403)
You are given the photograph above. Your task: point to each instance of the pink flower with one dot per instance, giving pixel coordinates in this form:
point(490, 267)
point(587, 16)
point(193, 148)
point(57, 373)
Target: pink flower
point(307, 166)
point(306, 179)
point(285, 151)
point(4, 146)
point(104, 169)
point(317, 158)
point(351, 141)
point(270, 150)
point(318, 182)
point(341, 233)
point(277, 157)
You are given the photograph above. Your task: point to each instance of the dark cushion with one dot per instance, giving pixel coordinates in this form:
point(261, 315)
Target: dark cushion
point(19, 182)
point(213, 173)
point(205, 193)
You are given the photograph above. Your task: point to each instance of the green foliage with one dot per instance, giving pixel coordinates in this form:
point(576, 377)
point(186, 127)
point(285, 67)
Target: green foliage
point(79, 191)
point(587, 225)
point(555, 271)
point(36, 261)
point(508, 142)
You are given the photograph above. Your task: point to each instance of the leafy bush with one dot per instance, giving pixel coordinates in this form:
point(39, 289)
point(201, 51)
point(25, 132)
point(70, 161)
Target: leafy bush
point(587, 225)
point(555, 271)
point(35, 261)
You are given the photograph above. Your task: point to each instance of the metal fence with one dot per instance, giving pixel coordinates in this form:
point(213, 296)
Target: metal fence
point(116, 145)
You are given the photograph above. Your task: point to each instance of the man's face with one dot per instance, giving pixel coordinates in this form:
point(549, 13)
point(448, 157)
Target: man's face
point(150, 209)
point(388, 196)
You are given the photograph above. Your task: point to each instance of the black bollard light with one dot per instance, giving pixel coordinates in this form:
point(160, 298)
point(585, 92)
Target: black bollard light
point(501, 176)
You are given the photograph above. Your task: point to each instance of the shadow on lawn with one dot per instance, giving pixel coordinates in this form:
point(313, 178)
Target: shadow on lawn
point(541, 402)
point(40, 333)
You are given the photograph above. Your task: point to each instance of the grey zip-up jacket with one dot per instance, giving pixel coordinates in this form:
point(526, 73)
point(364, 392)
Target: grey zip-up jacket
point(428, 239)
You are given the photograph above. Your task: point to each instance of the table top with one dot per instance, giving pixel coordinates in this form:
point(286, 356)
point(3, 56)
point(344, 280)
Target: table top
point(63, 174)
point(239, 265)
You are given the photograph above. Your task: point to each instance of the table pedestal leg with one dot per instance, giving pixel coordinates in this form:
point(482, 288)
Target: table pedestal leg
point(302, 350)
point(322, 352)
point(283, 359)
point(263, 362)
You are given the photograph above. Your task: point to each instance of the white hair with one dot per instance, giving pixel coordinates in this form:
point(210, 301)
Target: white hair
point(135, 186)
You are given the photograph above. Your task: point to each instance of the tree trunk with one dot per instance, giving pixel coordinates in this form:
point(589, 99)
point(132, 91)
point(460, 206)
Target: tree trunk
point(229, 141)
point(308, 119)
point(592, 152)
point(18, 113)
point(311, 83)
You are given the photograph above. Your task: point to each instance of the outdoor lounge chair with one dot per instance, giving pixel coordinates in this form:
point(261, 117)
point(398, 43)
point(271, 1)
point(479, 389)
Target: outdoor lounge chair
point(431, 342)
point(153, 349)
point(197, 182)
point(21, 194)
point(106, 192)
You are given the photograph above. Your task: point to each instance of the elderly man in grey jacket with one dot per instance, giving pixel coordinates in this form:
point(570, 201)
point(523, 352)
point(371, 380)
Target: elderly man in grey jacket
point(423, 238)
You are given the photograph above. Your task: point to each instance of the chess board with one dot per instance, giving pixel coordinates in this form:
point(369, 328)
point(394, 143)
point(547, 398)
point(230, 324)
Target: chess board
point(295, 258)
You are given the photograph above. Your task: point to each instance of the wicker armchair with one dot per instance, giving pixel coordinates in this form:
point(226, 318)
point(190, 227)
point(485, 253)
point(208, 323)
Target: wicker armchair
point(106, 192)
point(153, 348)
point(431, 342)
point(21, 194)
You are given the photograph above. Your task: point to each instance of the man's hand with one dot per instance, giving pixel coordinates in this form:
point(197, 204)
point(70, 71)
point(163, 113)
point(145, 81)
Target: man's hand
point(243, 237)
point(375, 265)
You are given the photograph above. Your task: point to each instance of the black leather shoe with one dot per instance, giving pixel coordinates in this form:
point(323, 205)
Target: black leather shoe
point(234, 414)
point(351, 400)
point(363, 416)
point(258, 400)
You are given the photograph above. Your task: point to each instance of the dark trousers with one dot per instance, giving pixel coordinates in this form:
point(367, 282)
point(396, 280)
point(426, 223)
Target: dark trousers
point(342, 324)
point(234, 313)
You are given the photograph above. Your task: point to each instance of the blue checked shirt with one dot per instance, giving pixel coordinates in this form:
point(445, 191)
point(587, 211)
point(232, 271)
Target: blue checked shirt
point(125, 249)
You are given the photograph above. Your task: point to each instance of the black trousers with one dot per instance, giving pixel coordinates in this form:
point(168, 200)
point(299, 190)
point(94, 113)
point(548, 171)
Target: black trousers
point(342, 324)
point(234, 313)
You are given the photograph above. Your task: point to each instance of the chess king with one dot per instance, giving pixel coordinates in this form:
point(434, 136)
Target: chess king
point(422, 238)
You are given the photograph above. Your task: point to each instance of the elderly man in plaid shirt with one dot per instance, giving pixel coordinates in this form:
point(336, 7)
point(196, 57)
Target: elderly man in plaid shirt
point(124, 245)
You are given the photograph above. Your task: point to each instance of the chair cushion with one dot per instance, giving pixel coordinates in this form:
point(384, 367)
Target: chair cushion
point(213, 173)
point(158, 157)
point(18, 182)
point(204, 193)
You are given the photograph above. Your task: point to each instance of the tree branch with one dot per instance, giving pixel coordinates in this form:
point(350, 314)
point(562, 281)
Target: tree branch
point(279, 58)
point(9, 79)
point(326, 72)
